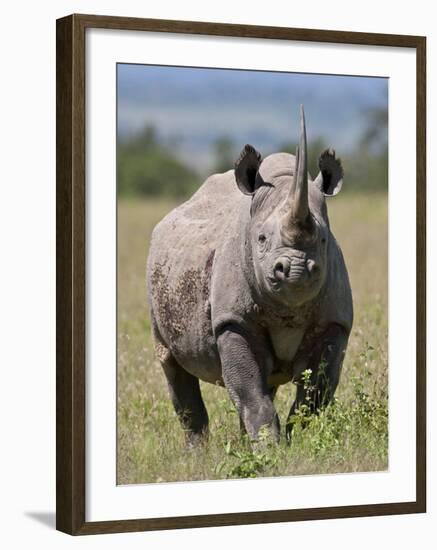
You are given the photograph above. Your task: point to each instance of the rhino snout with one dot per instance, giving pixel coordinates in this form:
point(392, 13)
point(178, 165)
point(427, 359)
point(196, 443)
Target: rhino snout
point(281, 269)
point(294, 269)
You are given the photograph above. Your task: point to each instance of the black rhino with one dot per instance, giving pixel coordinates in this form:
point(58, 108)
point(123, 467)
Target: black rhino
point(248, 288)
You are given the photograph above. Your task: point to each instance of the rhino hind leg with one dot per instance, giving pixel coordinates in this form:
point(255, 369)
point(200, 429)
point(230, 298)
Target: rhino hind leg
point(187, 400)
point(184, 390)
point(325, 362)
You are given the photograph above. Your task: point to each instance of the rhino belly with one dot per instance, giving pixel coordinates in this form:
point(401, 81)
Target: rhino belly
point(181, 312)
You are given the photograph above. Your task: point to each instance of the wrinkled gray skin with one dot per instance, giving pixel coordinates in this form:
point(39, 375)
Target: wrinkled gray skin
point(248, 287)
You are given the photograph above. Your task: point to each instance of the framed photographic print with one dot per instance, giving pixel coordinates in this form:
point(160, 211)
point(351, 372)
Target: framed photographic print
point(240, 274)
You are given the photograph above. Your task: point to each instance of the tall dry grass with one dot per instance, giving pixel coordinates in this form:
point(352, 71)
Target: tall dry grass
point(351, 436)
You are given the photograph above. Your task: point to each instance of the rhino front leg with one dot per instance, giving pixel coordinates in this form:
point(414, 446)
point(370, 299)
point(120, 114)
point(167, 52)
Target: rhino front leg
point(243, 431)
point(245, 380)
point(325, 363)
point(187, 400)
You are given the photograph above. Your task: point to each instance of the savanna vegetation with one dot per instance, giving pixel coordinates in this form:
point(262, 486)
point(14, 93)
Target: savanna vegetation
point(350, 435)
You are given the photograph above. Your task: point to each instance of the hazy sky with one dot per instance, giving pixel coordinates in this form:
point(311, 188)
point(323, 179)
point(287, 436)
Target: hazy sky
point(191, 107)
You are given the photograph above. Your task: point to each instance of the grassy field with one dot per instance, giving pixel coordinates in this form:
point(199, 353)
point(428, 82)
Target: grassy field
point(351, 435)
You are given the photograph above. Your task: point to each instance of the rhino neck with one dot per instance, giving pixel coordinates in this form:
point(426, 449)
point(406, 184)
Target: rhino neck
point(275, 315)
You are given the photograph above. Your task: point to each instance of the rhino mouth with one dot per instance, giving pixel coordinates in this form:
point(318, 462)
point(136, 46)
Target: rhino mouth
point(295, 280)
point(293, 276)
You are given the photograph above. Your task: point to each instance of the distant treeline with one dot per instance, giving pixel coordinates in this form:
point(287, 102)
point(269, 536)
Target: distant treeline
point(148, 167)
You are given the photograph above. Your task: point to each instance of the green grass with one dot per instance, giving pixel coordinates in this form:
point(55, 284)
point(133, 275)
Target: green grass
point(351, 435)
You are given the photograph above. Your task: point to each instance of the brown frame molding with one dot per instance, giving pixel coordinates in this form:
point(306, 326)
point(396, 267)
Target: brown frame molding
point(70, 273)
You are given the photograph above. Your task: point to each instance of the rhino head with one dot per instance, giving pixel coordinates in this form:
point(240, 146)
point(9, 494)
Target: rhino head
point(288, 234)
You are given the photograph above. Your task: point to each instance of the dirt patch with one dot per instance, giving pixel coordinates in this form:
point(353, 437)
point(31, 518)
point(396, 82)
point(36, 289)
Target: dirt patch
point(178, 306)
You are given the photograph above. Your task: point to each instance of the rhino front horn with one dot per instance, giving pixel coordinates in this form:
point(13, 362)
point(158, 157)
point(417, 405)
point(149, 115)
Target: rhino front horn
point(297, 201)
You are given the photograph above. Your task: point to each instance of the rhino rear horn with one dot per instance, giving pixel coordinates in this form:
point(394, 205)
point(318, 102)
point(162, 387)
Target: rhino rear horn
point(330, 177)
point(246, 169)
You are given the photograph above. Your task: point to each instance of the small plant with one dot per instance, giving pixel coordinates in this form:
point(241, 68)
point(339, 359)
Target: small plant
point(302, 415)
point(336, 430)
point(249, 461)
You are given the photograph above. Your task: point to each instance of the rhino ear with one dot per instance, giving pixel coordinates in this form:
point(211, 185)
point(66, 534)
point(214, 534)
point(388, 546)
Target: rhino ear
point(330, 177)
point(246, 168)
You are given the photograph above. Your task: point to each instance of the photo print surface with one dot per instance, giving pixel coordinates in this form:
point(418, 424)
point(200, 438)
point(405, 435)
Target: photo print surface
point(253, 327)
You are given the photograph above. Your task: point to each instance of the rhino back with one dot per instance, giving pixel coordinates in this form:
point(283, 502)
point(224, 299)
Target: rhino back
point(184, 248)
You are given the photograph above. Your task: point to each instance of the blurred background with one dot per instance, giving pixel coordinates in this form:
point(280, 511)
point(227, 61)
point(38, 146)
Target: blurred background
point(177, 125)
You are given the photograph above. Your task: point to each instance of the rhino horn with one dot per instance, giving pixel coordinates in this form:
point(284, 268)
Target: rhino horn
point(297, 200)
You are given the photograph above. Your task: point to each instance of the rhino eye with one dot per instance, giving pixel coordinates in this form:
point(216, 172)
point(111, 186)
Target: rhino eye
point(262, 238)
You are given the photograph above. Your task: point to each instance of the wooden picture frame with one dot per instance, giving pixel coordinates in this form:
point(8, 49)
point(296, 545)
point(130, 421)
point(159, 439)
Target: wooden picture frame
point(71, 274)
